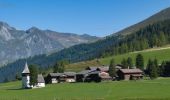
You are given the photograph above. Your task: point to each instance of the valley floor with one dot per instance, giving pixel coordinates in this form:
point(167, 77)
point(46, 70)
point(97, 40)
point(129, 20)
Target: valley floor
point(119, 90)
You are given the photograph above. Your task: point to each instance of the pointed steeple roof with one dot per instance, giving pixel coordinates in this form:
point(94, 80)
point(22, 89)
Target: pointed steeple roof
point(26, 69)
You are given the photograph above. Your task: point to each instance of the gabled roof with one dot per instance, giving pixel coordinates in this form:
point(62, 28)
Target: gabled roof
point(69, 73)
point(102, 68)
point(40, 79)
point(26, 69)
point(61, 74)
point(125, 71)
point(55, 74)
point(85, 72)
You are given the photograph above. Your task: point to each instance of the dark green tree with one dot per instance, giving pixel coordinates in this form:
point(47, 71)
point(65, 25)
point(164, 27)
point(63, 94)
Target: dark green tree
point(162, 38)
point(130, 62)
point(124, 63)
point(153, 71)
point(162, 68)
point(140, 62)
point(112, 68)
point(59, 67)
point(18, 76)
point(33, 74)
point(148, 69)
point(55, 68)
point(157, 66)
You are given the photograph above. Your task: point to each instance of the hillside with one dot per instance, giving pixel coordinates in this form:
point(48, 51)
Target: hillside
point(91, 91)
point(162, 54)
point(162, 15)
point(151, 36)
point(16, 44)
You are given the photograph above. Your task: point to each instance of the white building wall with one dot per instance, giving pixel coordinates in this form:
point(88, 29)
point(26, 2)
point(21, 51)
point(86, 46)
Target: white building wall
point(26, 81)
point(40, 84)
point(54, 80)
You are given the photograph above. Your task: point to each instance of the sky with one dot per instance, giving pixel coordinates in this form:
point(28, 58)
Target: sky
point(93, 17)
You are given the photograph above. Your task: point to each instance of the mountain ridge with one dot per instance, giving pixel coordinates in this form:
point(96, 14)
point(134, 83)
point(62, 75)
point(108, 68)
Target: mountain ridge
point(160, 16)
point(17, 44)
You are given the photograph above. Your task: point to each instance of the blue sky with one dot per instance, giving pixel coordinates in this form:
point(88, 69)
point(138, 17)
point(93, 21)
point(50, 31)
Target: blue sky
point(94, 17)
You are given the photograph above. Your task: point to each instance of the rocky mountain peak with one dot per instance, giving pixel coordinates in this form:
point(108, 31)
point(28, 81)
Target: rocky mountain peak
point(33, 30)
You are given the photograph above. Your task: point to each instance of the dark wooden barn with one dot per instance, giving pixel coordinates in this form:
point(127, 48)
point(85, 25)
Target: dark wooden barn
point(129, 74)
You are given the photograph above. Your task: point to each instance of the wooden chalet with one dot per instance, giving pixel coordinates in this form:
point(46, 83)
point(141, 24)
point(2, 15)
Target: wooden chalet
point(94, 74)
point(53, 78)
point(68, 77)
point(130, 74)
point(83, 75)
point(61, 77)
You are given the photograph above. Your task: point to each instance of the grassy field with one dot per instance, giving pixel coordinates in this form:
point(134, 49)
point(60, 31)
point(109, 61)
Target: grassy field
point(159, 53)
point(123, 90)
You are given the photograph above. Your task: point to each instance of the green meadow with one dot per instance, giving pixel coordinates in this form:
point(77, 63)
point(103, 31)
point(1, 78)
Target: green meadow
point(161, 54)
point(117, 90)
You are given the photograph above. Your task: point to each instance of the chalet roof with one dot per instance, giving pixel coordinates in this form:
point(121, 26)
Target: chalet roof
point(106, 77)
point(26, 69)
point(55, 74)
point(69, 73)
point(85, 72)
point(125, 71)
point(40, 78)
point(61, 74)
point(94, 72)
point(103, 68)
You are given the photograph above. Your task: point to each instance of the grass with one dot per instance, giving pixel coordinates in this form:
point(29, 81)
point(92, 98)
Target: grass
point(162, 54)
point(119, 90)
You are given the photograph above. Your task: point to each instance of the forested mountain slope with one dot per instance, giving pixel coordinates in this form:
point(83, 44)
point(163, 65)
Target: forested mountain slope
point(162, 15)
point(153, 35)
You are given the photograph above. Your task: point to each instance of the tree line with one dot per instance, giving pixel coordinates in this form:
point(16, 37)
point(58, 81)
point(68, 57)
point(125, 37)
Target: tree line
point(152, 70)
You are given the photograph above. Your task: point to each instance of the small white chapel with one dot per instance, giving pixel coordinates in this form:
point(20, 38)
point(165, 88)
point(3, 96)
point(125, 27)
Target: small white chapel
point(26, 79)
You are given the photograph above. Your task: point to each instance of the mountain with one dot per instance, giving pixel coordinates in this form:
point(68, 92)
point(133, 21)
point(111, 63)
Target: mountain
point(155, 34)
point(17, 44)
point(161, 16)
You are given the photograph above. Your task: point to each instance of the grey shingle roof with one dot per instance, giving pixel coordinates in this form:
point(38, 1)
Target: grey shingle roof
point(61, 74)
point(55, 74)
point(26, 69)
point(131, 70)
point(69, 73)
point(85, 72)
point(40, 78)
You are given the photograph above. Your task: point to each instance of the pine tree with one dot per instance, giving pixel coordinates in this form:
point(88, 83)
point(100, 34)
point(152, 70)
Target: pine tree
point(162, 38)
point(157, 66)
point(148, 69)
point(130, 62)
point(112, 68)
point(59, 67)
point(55, 68)
point(17, 76)
point(162, 68)
point(124, 63)
point(153, 71)
point(33, 74)
point(140, 62)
